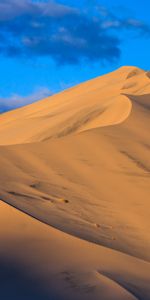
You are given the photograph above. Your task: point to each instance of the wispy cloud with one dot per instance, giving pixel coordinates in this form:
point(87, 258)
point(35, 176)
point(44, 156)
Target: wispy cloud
point(15, 100)
point(64, 33)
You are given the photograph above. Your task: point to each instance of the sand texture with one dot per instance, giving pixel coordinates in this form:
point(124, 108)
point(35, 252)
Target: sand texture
point(78, 164)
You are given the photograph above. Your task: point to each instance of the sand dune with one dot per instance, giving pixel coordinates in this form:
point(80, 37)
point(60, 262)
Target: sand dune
point(79, 161)
point(97, 103)
point(41, 259)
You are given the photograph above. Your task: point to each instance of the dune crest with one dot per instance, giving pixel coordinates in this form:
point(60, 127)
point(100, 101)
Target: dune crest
point(96, 103)
point(79, 161)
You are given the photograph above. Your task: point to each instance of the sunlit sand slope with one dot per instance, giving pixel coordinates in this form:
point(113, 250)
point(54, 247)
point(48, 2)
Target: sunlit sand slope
point(95, 183)
point(79, 161)
point(96, 103)
point(39, 262)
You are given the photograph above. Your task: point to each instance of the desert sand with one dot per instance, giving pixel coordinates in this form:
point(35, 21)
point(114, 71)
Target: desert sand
point(79, 162)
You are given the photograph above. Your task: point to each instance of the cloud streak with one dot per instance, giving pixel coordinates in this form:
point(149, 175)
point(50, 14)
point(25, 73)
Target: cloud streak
point(63, 33)
point(15, 100)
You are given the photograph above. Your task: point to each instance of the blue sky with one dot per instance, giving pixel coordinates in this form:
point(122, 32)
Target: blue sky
point(47, 46)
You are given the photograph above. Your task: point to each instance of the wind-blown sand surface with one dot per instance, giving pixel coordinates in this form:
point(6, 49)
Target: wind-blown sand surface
point(79, 161)
point(39, 262)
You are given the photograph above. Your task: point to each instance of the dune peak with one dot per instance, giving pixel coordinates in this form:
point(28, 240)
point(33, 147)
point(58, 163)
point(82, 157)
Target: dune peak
point(78, 161)
point(95, 103)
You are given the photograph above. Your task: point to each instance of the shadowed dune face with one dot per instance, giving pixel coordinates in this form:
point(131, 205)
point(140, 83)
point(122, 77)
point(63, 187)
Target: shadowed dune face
point(148, 74)
point(93, 104)
point(79, 161)
point(143, 100)
point(16, 283)
point(39, 262)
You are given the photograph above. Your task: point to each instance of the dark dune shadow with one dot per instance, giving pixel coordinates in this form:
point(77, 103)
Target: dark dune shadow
point(128, 286)
point(142, 100)
point(16, 284)
point(148, 74)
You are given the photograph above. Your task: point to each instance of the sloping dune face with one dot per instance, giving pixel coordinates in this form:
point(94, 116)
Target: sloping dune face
point(79, 161)
point(40, 262)
point(96, 103)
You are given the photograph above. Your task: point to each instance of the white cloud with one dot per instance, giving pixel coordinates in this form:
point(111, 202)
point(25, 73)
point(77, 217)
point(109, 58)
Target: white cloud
point(111, 24)
point(15, 100)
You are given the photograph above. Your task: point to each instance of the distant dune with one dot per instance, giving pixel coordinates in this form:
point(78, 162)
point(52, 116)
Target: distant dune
point(79, 161)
